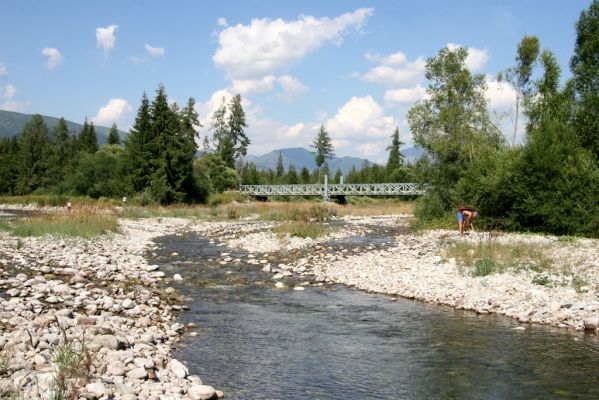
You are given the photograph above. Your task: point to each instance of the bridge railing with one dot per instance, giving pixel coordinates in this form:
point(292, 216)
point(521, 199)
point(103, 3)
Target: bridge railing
point(336, 189)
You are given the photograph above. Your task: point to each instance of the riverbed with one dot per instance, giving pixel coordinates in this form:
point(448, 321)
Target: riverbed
point(328, 341)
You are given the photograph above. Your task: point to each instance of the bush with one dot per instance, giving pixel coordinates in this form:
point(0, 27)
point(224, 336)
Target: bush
point(484, 267)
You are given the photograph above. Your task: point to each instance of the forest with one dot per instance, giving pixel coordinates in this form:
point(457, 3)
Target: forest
point(548, 181)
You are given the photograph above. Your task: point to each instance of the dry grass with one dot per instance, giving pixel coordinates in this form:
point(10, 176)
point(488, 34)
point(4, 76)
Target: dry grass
point(489, 256)
point(80, 223)
point(302, 230)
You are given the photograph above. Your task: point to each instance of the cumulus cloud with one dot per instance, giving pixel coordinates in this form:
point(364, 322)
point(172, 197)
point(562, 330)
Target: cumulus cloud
point(17, 106)
point(9, 91)
point(154, 51)
point(112, 112)
point(405, 96)
point(291, 86)
point(54, 57)
point(476, 58)
point(248, 86)
point(266, 46)
point(105, 38)
point(3, 70)
point(222, 22)
point(395, 70)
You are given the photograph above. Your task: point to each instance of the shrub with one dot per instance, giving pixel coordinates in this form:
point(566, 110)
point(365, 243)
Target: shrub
point(484, 267)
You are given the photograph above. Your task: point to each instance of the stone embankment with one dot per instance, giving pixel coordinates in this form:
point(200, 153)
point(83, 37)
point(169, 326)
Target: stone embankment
point(417, 267)
point(59, 295)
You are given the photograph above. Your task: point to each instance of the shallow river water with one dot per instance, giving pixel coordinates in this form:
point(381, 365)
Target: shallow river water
point(332, 342)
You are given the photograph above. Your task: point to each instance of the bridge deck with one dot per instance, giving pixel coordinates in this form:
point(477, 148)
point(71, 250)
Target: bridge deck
point(335, 189)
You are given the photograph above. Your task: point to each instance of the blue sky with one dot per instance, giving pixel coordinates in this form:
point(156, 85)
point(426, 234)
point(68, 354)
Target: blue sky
point(354, 66)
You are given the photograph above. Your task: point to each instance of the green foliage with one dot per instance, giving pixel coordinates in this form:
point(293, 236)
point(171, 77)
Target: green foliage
point(87, 140)
point(303, 230)
point(484, 267)
point(113, 135)
point(585, 71)
point(32, 156)
point(78, 224)
point(323, 146)
point(395, 156)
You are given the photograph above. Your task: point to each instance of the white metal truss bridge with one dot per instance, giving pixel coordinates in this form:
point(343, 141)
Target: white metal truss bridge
point(327, 190)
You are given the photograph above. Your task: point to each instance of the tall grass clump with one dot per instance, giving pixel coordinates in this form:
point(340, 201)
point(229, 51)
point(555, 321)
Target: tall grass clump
point(302, 230)
point(75, 224)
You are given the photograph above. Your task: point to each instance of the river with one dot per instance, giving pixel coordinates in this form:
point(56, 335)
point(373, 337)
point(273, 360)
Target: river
point(333, 342)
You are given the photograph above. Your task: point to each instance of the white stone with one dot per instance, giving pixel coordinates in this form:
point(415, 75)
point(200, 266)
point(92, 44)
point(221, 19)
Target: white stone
point(177, 277)
point(138, 373)
point(178, 368)
point(98, 389)
point(200, 392)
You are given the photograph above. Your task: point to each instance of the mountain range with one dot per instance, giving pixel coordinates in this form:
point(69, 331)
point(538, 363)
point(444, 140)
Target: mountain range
point(12, 124)
point(301, 157)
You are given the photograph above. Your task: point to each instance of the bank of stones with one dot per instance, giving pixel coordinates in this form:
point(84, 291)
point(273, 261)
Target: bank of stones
point(101, 293)
point(415, 267)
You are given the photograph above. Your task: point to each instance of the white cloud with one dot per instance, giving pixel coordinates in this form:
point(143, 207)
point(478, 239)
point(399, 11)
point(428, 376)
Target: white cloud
point(395, 71)
point(112, 112)
point(360, 120)
point(476, 58)
point(17, 106)
point(3, 70)
point(266, 46)
point(54, 57)
point(405, 96)
point(248, 86)
point(9, 91)
point(291, 86)
point(154, 51)
point(222, 22)
point(394, 60)
point(105, 38)
point(501, 95)
point(370, 149)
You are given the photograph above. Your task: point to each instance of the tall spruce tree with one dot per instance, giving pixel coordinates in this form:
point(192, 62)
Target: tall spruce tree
point(137, 148)
point(395, 156)
point(237, 125)
point(33, 155)
point(113, 135)
point(280, 168)
point(9, 167)
point(60, 152)
point(88, 140)
point(221, 136)
point(323, 146)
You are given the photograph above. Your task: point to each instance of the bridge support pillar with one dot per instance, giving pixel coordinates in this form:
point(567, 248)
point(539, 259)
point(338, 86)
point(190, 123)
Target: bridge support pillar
point(325, 193)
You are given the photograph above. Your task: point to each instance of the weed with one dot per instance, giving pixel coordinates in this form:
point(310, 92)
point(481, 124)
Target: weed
point(231, 213)
point(542, 280)
point(77, 224)
point(302, 230)
point(579, 284)
point(484, 267)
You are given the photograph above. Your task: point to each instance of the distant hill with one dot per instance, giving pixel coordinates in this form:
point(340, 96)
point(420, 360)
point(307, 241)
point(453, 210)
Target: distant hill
point(12, 123)
point(301, 157)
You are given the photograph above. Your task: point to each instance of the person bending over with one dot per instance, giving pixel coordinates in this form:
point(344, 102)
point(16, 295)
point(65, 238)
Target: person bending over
point(465, 217)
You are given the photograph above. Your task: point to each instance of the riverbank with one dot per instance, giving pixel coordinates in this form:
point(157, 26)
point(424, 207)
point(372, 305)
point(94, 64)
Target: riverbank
point(104, 294)
point(563, 292)
point(88, 315)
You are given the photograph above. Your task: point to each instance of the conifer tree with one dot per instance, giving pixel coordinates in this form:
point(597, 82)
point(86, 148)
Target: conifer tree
point(237, 125)
point(59, 152)
point(395, 156)
point(304, 175)
point(113, 135)
point(33, 155)
point(137, 147)
point(323, 146)
point(88, 140)
point(292, 177)
point(9, 168)
point(280, 169)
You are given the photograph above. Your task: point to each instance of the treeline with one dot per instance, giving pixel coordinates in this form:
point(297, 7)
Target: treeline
point(156, 163)
point(551, 182)
point(396, 170)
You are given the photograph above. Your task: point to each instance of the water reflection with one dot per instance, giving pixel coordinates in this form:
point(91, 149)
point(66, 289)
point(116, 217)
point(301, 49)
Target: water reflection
point(339, 343)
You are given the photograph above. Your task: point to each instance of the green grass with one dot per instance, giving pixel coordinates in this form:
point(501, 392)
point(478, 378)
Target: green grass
point(76, 224)
point(302, 230)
